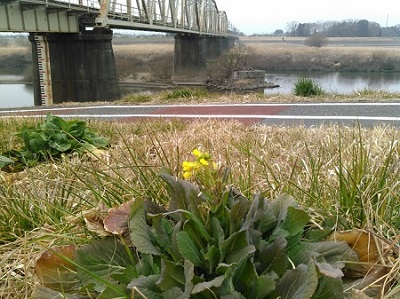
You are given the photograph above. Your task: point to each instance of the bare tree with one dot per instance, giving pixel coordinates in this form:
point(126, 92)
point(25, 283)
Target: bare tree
point(236, 59)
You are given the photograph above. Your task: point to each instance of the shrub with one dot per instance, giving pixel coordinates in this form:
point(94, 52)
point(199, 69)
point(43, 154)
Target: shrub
point(317, 40)
point(306, 87)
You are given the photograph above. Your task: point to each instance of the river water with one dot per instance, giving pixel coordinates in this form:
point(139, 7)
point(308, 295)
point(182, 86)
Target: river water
point(337, 82)
point(14, 94)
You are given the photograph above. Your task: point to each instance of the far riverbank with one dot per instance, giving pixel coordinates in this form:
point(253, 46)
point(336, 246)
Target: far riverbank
point(142, 60)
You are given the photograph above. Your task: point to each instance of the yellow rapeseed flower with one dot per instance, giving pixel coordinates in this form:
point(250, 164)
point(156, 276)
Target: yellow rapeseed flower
point(188, 166)
point(187, 175)
point(203, 162)
point(197, 153)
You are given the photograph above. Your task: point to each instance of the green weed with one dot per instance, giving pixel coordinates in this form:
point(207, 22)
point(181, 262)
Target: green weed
point(306, 88)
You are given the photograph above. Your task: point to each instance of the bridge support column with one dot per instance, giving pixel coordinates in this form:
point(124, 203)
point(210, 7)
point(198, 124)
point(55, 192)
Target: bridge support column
point(74, 67)
point(191, 54)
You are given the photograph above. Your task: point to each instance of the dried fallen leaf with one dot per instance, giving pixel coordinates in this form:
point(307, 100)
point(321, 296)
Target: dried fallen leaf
point(94, 220)
point(116, 221)
point(363, 243)
point(367, 274)
point(55, 271)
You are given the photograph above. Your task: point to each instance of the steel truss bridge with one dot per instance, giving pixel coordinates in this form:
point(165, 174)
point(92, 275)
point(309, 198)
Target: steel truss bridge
point(201, 17)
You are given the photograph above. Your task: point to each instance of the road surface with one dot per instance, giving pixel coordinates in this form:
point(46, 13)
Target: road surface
point(307, 114)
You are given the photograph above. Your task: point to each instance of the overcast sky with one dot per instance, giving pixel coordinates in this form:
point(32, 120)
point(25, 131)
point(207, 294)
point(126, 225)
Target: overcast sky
point(263, 16)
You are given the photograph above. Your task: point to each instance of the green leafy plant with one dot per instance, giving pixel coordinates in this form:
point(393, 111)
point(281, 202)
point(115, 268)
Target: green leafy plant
point(306, 87)
point(203, 246)
point(50, 140)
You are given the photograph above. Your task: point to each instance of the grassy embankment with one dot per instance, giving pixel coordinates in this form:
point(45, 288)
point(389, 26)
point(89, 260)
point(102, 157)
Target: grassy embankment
point(340, 54)
point(349, 174)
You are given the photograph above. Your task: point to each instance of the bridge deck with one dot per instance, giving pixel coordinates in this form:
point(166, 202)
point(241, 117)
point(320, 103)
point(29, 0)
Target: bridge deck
point(200, 17)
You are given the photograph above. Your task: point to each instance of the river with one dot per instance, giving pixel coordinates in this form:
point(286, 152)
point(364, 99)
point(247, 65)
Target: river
point(15, 94)
point(337, 82)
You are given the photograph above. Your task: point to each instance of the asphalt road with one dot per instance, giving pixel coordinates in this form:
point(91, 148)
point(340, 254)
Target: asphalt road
point(307, 114)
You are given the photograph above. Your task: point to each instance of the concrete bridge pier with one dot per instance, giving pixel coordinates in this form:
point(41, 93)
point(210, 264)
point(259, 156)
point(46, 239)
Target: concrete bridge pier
point(217, 46)
point(74, 67)
point(192, 53)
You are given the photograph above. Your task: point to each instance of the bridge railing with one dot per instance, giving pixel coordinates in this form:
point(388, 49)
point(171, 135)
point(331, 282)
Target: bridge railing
point(89, 5)
point(201, 16)
point(134, 14)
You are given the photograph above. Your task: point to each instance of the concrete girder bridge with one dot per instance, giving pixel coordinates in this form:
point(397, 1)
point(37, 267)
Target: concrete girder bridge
point(72, 51)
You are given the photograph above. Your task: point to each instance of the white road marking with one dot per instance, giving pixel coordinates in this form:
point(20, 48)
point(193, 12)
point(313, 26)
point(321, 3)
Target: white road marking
point(216, 116)
point(198, 105)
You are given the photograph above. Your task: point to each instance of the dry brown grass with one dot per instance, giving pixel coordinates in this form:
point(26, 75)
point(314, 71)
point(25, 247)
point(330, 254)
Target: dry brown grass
point(235, 98)
point(144, 62)
point(271, 159)
point(299, 57)
point(14, 51)
point(143, 49)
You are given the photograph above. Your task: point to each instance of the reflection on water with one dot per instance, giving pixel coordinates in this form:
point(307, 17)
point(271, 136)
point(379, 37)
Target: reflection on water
point(337, 82)
point(16, 95)
point(21, 95)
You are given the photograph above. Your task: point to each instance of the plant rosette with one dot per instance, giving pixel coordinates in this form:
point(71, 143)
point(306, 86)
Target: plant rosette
point(199, 247)
point(51, 140)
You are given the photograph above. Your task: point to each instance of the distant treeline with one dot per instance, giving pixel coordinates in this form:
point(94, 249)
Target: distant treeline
point(14, 40)
point(347, 28)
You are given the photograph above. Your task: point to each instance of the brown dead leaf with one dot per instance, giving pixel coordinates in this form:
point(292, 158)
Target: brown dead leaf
point(370, 285)
point(367, 275)
point(116, 221)
point(54, 270)
point(363, 243)
point(94, 220)
point(105, 222)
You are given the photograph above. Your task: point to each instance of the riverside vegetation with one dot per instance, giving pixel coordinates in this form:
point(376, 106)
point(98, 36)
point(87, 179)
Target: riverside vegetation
point(257, 212)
